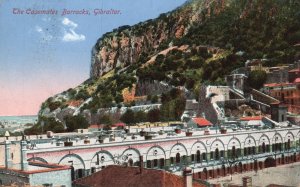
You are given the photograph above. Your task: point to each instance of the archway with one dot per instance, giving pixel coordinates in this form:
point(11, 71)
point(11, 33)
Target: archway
point(76, 163)
point(132, 154)
point(156, 157)
point(101, 159)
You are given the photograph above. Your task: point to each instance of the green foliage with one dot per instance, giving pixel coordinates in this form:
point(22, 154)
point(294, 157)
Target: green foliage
point(257, 78)
point(45, 124)
point(76, 122)
point(154, 99)
point(72, 93)
point(82, 94)
point(264, 29)
point(128, 117)
point(173, 105)
point(105, 119)
point(54, 105)
point(153, 115)
point(140, 116)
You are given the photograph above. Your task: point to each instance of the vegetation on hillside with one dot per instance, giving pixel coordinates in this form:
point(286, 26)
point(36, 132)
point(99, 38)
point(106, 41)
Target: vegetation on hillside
point(220, 40)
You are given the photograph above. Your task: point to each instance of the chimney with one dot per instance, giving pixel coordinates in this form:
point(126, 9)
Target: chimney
point(24, 162)
point(188, 177)
point(141, 164)
point(8, 161)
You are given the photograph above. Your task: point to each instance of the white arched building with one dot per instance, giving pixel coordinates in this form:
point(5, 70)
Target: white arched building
point(209, 156)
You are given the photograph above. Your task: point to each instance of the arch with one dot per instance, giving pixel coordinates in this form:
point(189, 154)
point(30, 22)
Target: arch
point(132, 153)
point(198, 146)
point(277, 138)
point(74, 160)
point(264, 139)
point(101, 159)
point(217, 143)
point(155, 152)
point(38, 159)
point(298, 135)
point(232, 142)
point(288, 136)
point(250, 141)
point(178, 148)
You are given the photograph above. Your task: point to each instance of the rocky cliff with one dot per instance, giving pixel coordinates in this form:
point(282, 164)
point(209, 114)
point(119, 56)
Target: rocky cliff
point(127, 45)
point(199, 42)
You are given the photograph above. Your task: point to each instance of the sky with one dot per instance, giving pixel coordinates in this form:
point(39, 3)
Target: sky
point(44, 54)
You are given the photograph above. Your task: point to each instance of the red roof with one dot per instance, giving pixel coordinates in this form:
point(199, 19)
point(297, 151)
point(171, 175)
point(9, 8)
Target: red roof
point(121, 176)
point(277, 84)
point(297, 80)
point(119, 125)
point(250, 118)
point(295, 70)
point(202, 122)
point(95, 126)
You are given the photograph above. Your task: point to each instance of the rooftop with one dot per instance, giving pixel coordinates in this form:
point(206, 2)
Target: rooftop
point(251, 118)
point(132, 176)
point(202, 122)
point(38, 167)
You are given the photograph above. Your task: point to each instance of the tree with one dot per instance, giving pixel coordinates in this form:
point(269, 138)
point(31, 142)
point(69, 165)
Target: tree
point(128, 117)
point(154, 99)
point(76, 122)
point(153, 115)
point(105, 119)
point(140, 116)
point(45, 124)
point(257, 78)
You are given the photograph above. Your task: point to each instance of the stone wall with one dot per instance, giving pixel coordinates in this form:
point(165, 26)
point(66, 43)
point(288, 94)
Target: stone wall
point(56, 178)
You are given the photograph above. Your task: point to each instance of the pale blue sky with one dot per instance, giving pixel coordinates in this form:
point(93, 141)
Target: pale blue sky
point(41, 55)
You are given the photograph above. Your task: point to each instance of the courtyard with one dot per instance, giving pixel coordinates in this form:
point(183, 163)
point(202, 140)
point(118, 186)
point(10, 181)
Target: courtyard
point(287, 175)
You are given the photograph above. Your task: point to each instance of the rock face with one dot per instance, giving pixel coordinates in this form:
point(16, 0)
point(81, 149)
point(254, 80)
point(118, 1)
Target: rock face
point(125, 45)
point(214, 37)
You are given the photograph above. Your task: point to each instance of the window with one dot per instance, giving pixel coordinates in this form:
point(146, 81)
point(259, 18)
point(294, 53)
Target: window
point(155, 163)
point(149, 165)
point(93, 169)
point(130, 162)
point(161, 162)
point(245, 151)
point(233, 152)
point(177, 158)
point(172, 160)
point(80, 173)
point(217, 157)
point(203, 156)
point(263, 147)
point(280, 146)
point(253, 150)
point(222, 153)
point(193, 157)
point(198, 156)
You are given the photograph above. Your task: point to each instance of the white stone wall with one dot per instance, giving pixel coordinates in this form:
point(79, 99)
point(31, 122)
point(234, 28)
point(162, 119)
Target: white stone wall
point(85, 156)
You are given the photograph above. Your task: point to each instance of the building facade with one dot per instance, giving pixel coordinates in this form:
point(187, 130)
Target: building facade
point(208, 155)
